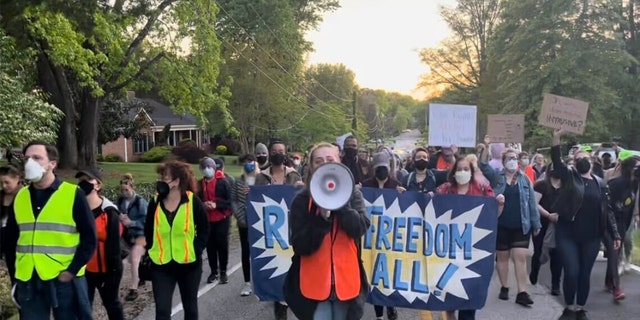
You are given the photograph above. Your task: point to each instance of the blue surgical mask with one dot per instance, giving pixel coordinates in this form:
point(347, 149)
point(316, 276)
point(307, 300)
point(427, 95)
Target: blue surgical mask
point(249, 167)
point(208, 172)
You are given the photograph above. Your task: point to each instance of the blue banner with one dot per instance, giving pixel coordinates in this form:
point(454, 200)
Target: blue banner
point(420, 252)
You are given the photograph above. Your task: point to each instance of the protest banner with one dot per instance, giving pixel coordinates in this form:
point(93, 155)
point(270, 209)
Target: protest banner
point(451, 124)
point(420, 252)
point(563, 113)
point(505, 127)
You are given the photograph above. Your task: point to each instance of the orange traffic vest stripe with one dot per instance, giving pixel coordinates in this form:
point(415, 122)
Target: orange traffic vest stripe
point(334, 265)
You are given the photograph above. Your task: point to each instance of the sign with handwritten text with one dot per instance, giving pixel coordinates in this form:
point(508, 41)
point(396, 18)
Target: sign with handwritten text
point(420, 252)
point(506, 127)
point(452, 124)
point(563, 113)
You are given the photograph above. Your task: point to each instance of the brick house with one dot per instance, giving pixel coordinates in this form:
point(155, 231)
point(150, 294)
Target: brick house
point(158, 116)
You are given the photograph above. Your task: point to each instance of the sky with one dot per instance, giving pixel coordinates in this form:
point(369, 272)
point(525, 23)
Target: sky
point(380, 40)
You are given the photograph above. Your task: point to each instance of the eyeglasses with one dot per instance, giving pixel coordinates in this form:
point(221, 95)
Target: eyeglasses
point(511, 158)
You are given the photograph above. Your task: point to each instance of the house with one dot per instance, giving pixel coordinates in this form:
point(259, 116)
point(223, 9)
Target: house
point(158, 115)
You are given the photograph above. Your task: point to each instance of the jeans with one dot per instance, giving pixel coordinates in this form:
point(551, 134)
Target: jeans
point(164, 280)
point(108, 285)
point(578, 257)
point(244, 246)
point(331, 310)
point(218, 245)
point(68, 300)
point(467, 315)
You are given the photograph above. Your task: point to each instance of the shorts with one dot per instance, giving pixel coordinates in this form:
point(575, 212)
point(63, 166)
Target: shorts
point(508, 239)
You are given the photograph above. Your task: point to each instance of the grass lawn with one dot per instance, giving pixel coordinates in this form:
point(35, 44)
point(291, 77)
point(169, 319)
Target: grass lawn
point(635, 254)
point(142, 172)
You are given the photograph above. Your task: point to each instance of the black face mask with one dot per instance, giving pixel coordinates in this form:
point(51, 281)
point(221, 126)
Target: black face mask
point(421, 164)
point(162, 188)
point(277, 159)
point(86, 187)
point(583, 165)
point(261, 159)
point(350, 153)
point(382, 173)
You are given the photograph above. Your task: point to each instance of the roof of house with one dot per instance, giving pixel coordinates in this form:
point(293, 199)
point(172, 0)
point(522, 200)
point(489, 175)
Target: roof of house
point(162, 115)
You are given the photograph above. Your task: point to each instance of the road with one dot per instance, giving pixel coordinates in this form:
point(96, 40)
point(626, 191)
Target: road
point(407, 140)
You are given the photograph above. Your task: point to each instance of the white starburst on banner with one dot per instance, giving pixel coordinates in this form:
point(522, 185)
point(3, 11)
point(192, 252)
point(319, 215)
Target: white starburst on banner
point(280, 257)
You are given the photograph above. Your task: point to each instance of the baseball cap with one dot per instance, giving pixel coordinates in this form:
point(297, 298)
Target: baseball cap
point(380, 159)
point(625, 154)
point(91, 173)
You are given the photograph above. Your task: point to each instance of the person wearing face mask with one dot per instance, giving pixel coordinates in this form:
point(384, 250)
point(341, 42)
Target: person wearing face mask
point(296, 161)
point(251, 176)
point(133, 209)
point(104, 270)
point(461, 180)
point(584, 216)
point(52, 252)
point(525, 165)
point(326, 280)
point(176, 233)
point(262, 156)
point(422, 179)
point(215, 194)
point(382, 180)
point(358, 166)
point(538, 164)
point(11, 179)
point(519, 219)
point(280, 174)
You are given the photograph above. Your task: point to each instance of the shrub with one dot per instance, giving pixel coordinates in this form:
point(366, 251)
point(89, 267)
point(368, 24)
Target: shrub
point(99, 157)
point(145, 190)
point(112, 157)
point(233, 147)
point(7, 308)
point(189, 153)
point(156, 154)
point(187, 142)
point(221, 149)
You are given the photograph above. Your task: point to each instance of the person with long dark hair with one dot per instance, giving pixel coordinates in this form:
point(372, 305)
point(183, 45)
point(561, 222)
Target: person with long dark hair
point(11, 179)
point(584, 217)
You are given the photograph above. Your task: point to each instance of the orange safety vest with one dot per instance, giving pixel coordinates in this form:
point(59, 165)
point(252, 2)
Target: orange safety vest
point(335, 264)
point(98, 263)
point(528, 170)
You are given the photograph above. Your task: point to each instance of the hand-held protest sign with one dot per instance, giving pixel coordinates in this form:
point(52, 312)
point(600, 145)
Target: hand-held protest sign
point(419, 252)
point(451, 124)
point(505, 127)
point(563, 113)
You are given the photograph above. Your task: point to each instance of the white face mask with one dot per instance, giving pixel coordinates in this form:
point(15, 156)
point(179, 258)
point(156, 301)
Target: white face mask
point(525, 162)
point(296, 162)
point(33, 171)
point(462, 177)
point(511, 165)
point(250, 180)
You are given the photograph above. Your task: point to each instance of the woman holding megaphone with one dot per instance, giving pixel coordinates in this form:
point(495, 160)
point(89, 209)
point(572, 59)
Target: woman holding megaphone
point(326, 279)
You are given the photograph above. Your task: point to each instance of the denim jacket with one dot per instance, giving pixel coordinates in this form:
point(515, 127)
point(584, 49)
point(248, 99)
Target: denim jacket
point(137, 212)
point(528, 204)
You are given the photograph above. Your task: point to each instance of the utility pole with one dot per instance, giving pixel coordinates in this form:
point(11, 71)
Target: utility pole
point(354, 122)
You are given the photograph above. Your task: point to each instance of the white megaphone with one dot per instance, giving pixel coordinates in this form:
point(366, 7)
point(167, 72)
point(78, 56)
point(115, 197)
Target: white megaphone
point(331, 185)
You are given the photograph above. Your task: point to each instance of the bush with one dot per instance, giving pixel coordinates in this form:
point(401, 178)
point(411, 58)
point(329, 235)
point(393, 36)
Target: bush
point(99, 157)
point(221, 149)
point(189, 153)
point(187, 142)
point(233, 147)
point(145, 190)
point(112, 157)
point(7, 308)
point(156, 154)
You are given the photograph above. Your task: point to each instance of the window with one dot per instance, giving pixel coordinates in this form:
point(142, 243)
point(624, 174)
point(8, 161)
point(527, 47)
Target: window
point(141, 145)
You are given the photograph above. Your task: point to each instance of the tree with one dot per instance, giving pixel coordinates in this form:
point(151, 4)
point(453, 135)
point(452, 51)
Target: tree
point(24, 114)
point(116, 119)
point(92, 50)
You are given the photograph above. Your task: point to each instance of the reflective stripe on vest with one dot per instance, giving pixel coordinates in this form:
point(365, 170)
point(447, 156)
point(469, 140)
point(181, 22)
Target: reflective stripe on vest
point(174, 241)
point(48, 243)
point(335, 264)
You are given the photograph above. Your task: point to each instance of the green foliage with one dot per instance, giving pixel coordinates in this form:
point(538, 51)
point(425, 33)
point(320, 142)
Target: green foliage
point(163, 137)
point(156, 154)
point(112, 157)
point(146, 190)
point(221, 149)
point(24, 114)
point(189, 153)
point(116, 120)
point(185, 142)
point(7, 308)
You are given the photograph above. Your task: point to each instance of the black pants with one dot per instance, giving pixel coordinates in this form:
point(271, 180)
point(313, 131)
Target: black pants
point(108, 285)
point(218, 245)
point(554, 261)
point(244, 246)
point(380, 310)
point(612, 277)
point(164, 280)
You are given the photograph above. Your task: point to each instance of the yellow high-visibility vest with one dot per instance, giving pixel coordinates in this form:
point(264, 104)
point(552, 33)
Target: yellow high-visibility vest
point(46, 243)
point(174, 241)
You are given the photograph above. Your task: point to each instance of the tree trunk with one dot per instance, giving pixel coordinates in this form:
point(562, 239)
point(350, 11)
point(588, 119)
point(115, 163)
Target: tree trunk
point(88, 133)
point(54, 82)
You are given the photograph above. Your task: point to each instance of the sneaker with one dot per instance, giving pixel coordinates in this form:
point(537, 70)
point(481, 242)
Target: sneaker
point(581, 315)
point(504, 294)
point(618, 294)
point(627, 265)
point(213, 277)
point(568, 314)
point(392, 313)
point(280, 311)
point(132, 295)
point(141, 283)
point(524, 299)
point(246, 290)
point(608, 287)
point(533, 277)
point(223, 278)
